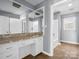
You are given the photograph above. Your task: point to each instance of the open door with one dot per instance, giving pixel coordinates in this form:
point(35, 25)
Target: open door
point(55, 33)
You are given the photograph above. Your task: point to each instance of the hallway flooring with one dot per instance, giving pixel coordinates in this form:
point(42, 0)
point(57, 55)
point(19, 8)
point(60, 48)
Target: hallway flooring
point(63, 51)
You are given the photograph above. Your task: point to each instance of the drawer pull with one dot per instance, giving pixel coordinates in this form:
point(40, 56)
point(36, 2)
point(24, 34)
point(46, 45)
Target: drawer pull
point(8, 56)
point(9, 48)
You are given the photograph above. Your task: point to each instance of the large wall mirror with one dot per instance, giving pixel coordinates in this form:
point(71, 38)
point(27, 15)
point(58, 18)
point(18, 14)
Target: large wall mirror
point(9, 25)
point(36, 20)
point(32, 21)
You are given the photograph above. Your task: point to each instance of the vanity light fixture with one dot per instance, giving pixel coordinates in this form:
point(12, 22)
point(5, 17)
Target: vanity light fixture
point(65, 0)
point(70, 4)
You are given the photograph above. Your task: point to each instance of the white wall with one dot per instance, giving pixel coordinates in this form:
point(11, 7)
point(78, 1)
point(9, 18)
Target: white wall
point(69, 33)
point(35, 26)
point(4, 25)
point(47, 41)
point(77, 15)
point(15, 25)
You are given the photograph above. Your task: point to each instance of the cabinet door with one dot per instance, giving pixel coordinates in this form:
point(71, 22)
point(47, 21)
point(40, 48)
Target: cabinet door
point(26, 47)
point(39, 45)
point(9, 51)
point(24, 51)
point(15, 25)
point(4, 25)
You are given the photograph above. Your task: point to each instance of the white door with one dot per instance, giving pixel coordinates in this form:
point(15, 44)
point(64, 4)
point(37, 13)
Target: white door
point(55, 33)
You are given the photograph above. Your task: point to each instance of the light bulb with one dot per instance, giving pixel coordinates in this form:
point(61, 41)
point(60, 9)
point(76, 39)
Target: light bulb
point(70, 5)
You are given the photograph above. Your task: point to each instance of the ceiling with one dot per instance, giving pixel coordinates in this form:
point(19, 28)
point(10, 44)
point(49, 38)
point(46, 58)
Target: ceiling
point(64, 8)
point(34, 2)
point(7, 6)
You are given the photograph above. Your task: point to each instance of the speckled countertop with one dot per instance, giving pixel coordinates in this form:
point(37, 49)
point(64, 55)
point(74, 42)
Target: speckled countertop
point(16, 37)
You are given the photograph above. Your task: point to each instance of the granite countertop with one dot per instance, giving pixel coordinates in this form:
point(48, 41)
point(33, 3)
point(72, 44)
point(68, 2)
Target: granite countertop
point(7, 38)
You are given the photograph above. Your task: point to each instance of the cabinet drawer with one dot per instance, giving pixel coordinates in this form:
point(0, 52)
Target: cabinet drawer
point(10, 56)
point(25, 43)
point(10, 52)
point(7, 48)
point(13, 53)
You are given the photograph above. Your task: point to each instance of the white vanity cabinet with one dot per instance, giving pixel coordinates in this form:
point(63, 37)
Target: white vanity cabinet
point(25, 47)
point(9, 51)
point(22, 48)
point(33, 46)
point(38, 45)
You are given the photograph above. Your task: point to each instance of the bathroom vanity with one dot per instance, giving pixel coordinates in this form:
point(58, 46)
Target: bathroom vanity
point(21, 45)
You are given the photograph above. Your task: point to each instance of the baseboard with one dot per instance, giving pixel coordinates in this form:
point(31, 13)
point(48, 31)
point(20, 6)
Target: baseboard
point(48, 54)
point(59, 43)
point(70, 42)
point(56, 45)
point(51, 54)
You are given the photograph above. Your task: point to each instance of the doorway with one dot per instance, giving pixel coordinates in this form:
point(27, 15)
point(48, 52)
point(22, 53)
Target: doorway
point(66, 12)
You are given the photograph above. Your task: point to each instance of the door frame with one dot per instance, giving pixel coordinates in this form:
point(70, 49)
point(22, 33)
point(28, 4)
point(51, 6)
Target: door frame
point(51, 23)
